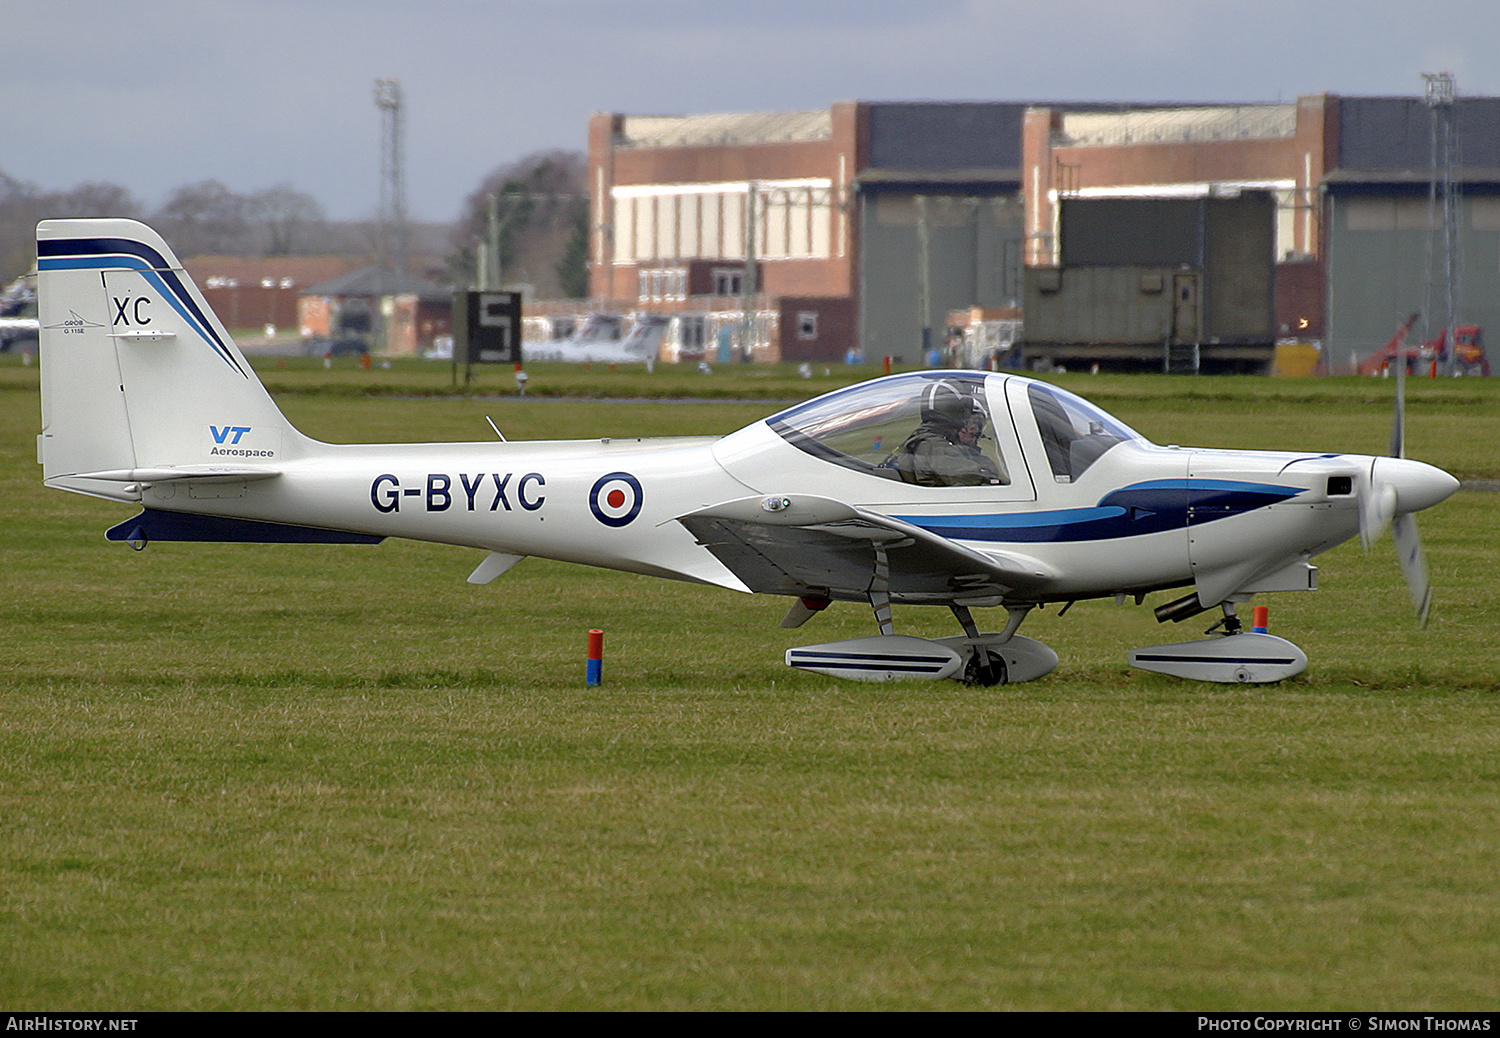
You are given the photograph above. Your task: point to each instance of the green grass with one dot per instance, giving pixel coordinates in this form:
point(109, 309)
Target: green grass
point(326, 777)
point(405, 377)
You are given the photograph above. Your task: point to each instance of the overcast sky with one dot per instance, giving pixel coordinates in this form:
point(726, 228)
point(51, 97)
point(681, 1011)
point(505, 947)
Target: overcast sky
point(153, 95)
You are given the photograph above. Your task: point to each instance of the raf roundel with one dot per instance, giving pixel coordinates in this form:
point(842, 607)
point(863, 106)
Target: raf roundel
point(615, 499)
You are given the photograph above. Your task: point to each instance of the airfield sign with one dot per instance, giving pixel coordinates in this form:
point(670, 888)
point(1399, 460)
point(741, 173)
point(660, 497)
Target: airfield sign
point(488, 329)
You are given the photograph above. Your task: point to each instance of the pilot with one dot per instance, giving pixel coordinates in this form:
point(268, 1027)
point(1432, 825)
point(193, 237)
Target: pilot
point(944, 450)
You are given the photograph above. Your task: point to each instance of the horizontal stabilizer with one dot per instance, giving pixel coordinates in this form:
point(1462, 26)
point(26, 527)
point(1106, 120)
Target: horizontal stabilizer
point(154, 525)
point(167, 474)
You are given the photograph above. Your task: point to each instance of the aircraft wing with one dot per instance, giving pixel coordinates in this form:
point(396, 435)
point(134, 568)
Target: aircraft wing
point(802, 543)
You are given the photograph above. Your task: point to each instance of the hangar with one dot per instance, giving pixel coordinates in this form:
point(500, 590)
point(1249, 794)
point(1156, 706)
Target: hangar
point(878, 225)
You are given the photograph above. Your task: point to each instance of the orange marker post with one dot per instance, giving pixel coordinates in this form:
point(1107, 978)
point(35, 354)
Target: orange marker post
point(1260, 620)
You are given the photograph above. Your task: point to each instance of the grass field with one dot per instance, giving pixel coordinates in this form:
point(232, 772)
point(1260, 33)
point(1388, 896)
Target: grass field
point(332, 777)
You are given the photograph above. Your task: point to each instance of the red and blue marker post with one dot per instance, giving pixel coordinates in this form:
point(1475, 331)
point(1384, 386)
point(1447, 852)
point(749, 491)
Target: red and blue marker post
point(594, 672)
point(1260, 620)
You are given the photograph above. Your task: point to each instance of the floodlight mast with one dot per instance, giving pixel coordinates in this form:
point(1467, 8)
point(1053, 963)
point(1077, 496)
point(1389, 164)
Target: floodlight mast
point(1442, 207)
point(393, 236)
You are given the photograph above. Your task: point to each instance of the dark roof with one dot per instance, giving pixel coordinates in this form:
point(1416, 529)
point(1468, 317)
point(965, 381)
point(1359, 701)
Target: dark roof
point(1395, 133)
point(946, 144)
point(376, 281)
point(1466, 177)
point(970, 181)
point(938, 137)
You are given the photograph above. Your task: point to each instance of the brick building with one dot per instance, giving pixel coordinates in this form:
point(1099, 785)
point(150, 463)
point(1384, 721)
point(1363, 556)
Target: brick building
point(874, 221)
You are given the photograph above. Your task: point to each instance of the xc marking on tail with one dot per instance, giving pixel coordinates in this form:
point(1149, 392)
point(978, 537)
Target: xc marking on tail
point(121, 317)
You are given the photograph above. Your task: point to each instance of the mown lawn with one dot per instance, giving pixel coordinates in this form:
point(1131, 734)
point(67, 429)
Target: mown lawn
point(326, 777)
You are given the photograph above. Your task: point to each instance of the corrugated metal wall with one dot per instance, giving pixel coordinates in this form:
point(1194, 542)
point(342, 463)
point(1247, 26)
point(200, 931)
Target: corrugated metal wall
point(1381, 244)
point(1230, 241)
point(973, 246)
point(1131, 232)
point(1239, 271)
point(1379, 249)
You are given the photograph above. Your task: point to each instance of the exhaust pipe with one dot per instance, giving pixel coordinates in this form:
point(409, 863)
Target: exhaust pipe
point(1180, 610)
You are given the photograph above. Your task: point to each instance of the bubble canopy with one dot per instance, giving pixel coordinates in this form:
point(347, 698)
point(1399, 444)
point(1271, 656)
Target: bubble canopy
point(865, 427)
point(1074, 432)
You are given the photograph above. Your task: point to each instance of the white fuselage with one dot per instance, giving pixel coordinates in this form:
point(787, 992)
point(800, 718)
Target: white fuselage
point(612, 503)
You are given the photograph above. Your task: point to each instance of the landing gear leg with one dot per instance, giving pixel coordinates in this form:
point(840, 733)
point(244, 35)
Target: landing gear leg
point(880, 592)
point(881, 603)
point(986, 666)
point(1231, 622)
point(965, 620)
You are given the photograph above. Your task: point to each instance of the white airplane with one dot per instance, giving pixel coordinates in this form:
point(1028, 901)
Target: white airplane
point(596, 341)
point(948, 488)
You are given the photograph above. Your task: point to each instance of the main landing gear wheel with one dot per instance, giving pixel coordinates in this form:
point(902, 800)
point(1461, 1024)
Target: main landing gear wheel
point(985, 668)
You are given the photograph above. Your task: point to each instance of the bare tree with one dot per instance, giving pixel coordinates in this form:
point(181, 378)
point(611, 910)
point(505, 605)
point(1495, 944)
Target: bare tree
point(18, 218)
point(92, 200)
point(22, 206)
point(206, 217)
point(539, 200)
point(290, 219)
point(573, 266)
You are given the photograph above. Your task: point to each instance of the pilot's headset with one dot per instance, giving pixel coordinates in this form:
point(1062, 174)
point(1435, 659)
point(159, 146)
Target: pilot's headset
point(946, 402)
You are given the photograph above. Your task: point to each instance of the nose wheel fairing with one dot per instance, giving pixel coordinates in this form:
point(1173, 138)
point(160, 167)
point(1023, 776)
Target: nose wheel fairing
point(1241, 658)
point(1236, 657)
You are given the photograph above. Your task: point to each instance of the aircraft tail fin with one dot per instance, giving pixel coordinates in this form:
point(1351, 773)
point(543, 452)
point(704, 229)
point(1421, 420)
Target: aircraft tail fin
point(138, 373)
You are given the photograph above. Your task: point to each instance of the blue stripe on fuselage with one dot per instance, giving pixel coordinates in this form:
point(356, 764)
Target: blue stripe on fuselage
point(1153, 506)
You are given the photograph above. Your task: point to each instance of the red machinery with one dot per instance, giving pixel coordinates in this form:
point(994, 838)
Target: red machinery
point(1431, 356)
